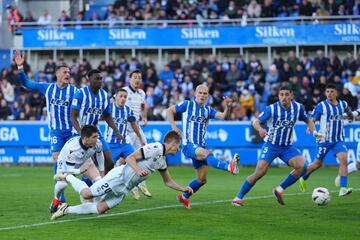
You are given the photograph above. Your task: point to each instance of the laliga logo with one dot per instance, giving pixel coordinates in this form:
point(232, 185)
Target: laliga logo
point(223, 135)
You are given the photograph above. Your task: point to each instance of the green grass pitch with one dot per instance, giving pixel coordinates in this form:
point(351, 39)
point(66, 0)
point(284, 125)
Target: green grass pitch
point(26, 192)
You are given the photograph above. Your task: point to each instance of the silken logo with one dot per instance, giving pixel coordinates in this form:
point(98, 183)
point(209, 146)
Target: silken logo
point(199, 33)
point(54, 35)
point(121, 34)
point(346, 29)
point(274, 32)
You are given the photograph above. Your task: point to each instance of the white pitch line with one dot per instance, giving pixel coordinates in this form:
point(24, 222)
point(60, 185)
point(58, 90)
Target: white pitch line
point(145, 210)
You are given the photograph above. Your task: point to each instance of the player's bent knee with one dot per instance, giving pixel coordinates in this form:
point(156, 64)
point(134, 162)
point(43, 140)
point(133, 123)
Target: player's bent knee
point(358, 165)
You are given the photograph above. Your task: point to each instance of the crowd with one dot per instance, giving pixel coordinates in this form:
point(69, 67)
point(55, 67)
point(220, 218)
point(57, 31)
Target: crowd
point(251, 85)
point(191, 10)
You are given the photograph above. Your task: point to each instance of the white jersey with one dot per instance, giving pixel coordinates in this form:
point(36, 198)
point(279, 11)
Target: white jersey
point(135, 100)
point(74, 154)
point(123, 178)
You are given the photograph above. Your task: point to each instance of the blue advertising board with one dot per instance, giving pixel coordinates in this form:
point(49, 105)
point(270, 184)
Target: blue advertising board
point(28, 142)
point(220, 36)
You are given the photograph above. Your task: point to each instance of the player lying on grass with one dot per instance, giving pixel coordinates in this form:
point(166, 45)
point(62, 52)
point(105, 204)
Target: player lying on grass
point(75, 158)
point(113, 188)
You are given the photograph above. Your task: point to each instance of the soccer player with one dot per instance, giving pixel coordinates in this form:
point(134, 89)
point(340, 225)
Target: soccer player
point(113, 188)
point(121, 115)
point(136, 101)
point(195, 116)
point(280, 118)
point(75, 158)
point(330, 113)
point(59, 96)
point(89, 104)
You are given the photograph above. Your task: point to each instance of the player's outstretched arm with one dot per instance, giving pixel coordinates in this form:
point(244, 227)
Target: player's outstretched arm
point(171, 111)
point(170, 182)
point(38, 87)
point(132, 161)
point(135, 126)
point(257, 125)
point(226, 113)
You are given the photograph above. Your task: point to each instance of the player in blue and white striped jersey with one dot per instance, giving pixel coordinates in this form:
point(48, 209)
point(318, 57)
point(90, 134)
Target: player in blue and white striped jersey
point(330, 113)
point(89, 104)
point(121, 115)
point(280, 118)
point(353, 165)
point(59, 96)
point(196, 116)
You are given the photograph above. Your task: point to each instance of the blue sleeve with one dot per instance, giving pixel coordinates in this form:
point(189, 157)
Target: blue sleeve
point(303, 116)
point(265, 115)
point(38, 87)
point(212, 112)
point(131, 117)
point(108, 108)
point(77, 100)
point(181, 107)
point(318, 111)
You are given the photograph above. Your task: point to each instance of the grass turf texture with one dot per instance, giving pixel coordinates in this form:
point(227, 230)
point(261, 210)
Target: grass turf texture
point(26, 192)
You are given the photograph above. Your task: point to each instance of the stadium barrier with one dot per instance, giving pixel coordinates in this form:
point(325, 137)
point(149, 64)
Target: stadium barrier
point(28, 142)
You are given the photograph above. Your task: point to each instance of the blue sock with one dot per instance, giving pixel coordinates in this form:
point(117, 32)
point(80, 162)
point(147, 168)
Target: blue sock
point(195, 185)
point(288, 181)
point(87, 181)
point(303, 173)
point(343, 181)
point(62, 197)
point(216, 163)
point(245, 188)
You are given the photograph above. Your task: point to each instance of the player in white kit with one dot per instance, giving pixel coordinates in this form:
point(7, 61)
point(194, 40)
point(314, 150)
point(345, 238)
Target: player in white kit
point(113, 188)
point(136, 101)
point(75, 158)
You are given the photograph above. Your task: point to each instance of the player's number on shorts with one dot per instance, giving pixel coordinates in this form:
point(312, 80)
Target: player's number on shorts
point(264, 151)
point(322, 150)
point(105, 187)
point(53, 140)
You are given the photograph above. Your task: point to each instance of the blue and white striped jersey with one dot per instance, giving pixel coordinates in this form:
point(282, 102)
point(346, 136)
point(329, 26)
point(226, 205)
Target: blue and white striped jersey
point(331, 120)
point(281, 122)
point(91, 106)
point(121, 116)
point(195, 120)
point(58, 101)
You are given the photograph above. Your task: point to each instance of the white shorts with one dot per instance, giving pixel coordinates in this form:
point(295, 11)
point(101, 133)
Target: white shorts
point(133, 139)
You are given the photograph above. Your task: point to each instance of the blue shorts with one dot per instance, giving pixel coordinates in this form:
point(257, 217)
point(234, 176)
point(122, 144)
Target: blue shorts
point(58, 138)
point(189, 152)
point(324, 148)
point(269, 152)
point(118, 150)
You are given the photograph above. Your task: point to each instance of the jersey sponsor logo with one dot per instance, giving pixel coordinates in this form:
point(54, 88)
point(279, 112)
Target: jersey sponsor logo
point(200, 119)
point(284, 123)
point(96, 111)
point(59, 102)
point(336, 117)
point(120, 120)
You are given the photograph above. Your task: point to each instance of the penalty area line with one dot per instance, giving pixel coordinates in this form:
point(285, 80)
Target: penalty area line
point(144, 210)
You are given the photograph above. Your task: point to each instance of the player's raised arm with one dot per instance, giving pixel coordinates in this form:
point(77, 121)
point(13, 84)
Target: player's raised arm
point(132, 160)
point(170, 182)
point(226, 113)
point(38, 87)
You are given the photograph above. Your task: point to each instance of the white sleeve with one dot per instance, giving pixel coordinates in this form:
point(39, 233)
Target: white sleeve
point(100, 156)
point(143, 97)
point(152, 150)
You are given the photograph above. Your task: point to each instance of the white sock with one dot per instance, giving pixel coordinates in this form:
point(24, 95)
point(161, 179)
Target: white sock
point(85, 208)
point(59, 188)
point(352, 167)
point(76, 183)
point(143, 183)
point(279, 189)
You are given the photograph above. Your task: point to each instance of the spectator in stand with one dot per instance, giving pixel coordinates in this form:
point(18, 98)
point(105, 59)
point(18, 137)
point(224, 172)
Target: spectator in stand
point(49, 69)
point(232, 77)
point(8, 91)
point(268, 10)
point(254, 9)
point(63, 19)
point(13, 16)
point(5, 110)
point(320, 62)
point(306, 8)
point(272, 77)
point(292, 60)
point(166, 75)
point(29, 19)
point(286, 73)
point(174, 62)
point(45, 19)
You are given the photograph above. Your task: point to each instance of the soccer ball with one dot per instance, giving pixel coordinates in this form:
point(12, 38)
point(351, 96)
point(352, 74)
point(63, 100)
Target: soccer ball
point(321, 196)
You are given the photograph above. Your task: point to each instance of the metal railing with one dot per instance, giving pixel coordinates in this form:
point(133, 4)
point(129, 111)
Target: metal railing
point(303, 20)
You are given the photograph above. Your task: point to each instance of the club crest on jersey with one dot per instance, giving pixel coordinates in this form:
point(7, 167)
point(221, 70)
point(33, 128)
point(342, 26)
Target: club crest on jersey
point(59, 102)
